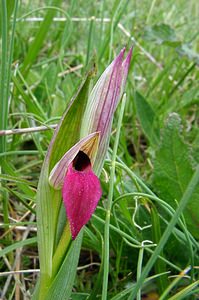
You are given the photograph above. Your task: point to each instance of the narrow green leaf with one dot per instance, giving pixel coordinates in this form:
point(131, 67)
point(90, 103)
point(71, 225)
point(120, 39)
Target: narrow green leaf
point(21, 183)
point(7, 47)
point(174, 284)
point(15, 179)
point(160, 265)
point(106, 249)
point(18, 245)
point(183, 202)
point(186, 292)
point(62, 285)
point(40, 38)
point(23, 199)
point(4, 74)
point(31, 106)
point(118, 10)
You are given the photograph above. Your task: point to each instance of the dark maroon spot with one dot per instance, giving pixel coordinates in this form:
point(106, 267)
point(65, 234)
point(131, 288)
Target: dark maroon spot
point(81, 162)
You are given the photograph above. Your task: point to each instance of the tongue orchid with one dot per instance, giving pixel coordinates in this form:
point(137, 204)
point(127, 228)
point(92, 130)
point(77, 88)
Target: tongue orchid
point(75, 173)
point(81, 189)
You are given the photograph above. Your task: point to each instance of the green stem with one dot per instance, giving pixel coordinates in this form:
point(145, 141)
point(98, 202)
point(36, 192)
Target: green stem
point(130, 238)
point(139, 269)
point(109, 204)
point(134, 177)
point(170, 210)
point(3, 83)
point(160, 266)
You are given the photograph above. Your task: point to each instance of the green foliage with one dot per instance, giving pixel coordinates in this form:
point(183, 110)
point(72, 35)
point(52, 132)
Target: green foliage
point(186, 50)
point(162, 34)
point(147, 118)
point(173, 169)
point(157, 155)
point(66, 273)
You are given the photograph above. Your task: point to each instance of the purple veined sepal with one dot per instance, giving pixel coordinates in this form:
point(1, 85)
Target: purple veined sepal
point(103, 101)
point(81, 190)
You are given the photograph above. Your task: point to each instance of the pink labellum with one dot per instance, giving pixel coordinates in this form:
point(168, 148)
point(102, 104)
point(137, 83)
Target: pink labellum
point(81, 192)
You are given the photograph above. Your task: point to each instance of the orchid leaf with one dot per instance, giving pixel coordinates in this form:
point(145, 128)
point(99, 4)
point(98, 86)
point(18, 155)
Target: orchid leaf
point(62, 285)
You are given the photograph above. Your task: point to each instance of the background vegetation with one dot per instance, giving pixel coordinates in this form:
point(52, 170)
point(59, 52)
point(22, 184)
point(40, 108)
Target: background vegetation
point(43, 61)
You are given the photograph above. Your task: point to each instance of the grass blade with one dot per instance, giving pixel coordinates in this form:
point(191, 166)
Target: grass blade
point(185, 199)
point(39, 39)
point(109, 204)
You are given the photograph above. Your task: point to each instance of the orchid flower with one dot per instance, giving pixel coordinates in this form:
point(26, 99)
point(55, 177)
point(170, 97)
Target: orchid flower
point(75, 173)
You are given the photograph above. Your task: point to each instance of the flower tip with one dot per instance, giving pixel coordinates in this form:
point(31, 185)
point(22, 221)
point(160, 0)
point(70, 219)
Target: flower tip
point(130, 52)
point(120, 56)
point(123, 50)
point(128, 58)
point(125, 66)
point(126, 62)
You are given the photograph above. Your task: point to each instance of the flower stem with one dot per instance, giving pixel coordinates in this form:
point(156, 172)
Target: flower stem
point(109, 203)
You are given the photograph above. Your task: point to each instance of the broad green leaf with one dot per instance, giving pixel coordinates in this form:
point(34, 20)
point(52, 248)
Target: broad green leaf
point(173, 170)
point(147, 118)
point(162, 34)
